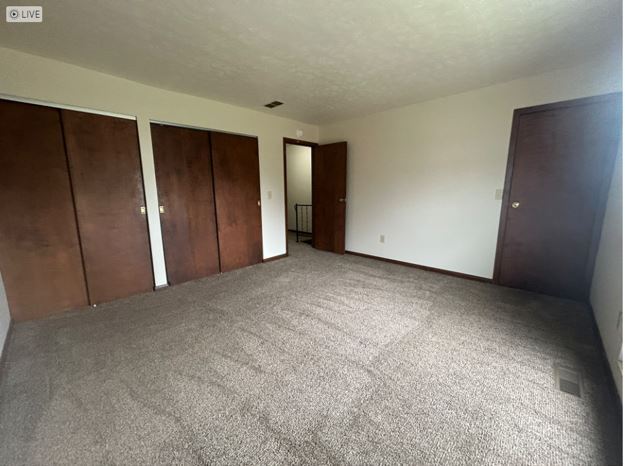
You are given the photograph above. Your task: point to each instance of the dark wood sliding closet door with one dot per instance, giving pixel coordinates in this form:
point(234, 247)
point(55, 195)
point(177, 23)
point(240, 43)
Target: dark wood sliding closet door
point(40, 257)
point(237, 199)
point(103, 154)
point(185, 190)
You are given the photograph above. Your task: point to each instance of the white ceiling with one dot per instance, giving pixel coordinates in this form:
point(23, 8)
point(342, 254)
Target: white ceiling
point(326, 59)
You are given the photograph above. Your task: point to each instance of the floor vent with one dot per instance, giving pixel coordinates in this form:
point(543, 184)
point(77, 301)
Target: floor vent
point(568, 381)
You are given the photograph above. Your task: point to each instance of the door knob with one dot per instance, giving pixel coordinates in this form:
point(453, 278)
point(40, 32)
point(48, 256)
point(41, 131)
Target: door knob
point(142, 210)
point(258, 202)
point(161, 209)
point(515, 205)
point(342, 199)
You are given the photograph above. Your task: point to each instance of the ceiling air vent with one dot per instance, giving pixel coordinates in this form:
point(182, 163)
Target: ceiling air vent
point(273, 104)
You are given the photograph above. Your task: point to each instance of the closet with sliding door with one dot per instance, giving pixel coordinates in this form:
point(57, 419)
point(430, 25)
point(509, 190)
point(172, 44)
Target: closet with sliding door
point(182, 160)
point(73, 230)
point(209, 195)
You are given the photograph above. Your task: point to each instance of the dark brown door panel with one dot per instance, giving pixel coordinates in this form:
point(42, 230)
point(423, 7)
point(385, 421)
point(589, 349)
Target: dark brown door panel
point(329, 187)
point(105, 167)
point(237, 199)
point(40, 258)
point(184, 178)
point(561, 161)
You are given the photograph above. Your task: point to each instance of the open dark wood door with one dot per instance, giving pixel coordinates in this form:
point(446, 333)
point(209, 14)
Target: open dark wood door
point(329, 187)
point(236, 176)
point(40, 256)
point(184, 178)
point(559, 169)
point(105, 168)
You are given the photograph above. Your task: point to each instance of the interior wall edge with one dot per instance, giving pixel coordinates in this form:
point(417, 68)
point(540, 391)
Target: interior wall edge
point(151, 201)
point(606, 290)
point(4, 341)
point(613, 374)
point(275, 258)
point(6, 322)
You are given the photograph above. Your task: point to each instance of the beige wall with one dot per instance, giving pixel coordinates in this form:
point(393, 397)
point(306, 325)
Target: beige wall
point(606, 294)
point(425, 175)
point(299, 179)
point(52, 81)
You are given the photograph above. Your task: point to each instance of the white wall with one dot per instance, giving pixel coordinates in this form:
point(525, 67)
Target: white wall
point(299, 179)
point(5, 317)
point(34, 77)
point(425, 175)
point(606, 293)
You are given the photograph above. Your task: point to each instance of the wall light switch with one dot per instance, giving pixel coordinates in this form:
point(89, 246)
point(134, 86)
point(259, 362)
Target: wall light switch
point(382, 239)
point(269, 194)
point(498, 194)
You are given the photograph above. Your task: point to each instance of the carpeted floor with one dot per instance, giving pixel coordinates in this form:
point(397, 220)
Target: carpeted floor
point(313, 359)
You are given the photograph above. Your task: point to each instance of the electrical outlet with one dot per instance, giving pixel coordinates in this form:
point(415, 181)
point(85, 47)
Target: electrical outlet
point(269, 194)
point(382, 238)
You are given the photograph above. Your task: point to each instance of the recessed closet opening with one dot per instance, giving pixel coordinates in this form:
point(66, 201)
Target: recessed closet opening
point(208, 186)
point(74, 230)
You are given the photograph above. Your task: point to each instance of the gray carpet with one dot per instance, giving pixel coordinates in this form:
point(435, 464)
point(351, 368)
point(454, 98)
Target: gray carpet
point(313, 359)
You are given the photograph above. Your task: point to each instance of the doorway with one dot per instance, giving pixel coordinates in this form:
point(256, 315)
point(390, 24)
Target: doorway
point(298, 191)
point(560, 164)
point(315, 185)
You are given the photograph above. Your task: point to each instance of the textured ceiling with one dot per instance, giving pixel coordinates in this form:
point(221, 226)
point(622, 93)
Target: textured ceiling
point(326, 60)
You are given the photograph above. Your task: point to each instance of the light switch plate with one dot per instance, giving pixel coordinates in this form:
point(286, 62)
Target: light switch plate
point(382, 238)
point(269, 194)
point(499, 194)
